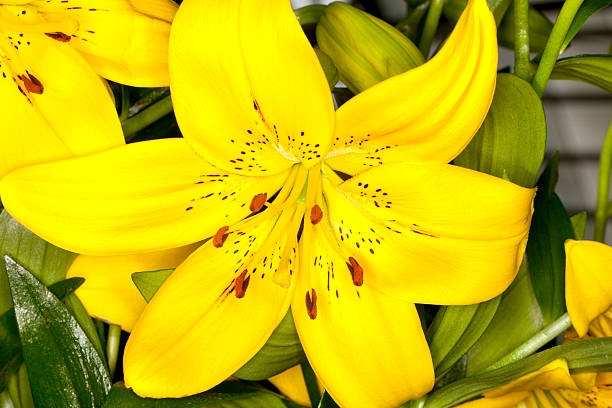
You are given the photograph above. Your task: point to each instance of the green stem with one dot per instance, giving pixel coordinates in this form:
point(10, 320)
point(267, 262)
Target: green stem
point(125, 104)
point(148, 116)
point(431, 26)
point(310, 378)
point(534, 343)
point(521, 39)
point(603, 189)
point(112, 347)
point(554, 43)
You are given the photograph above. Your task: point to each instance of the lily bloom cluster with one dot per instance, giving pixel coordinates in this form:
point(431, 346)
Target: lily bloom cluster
point(349, 217)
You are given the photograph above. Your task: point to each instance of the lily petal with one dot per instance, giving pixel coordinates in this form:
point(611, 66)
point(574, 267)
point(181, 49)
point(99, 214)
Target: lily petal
point(436, 108)
point(141, 197)
point(230, 94)
point(291, 383)
point(109, 293)
point(123, 40)
point(47, 91)
point(432, 233)
point(587, 276)
point(355, 336)
point(210, 316)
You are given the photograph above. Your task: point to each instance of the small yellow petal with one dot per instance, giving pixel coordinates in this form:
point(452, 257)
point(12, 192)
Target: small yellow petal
point(291, 383)
point(510, 400)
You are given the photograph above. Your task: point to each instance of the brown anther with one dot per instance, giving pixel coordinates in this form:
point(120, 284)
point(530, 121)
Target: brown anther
point(356, 271)
point(220, 237)
point(316, 214)
point(242, 283)
point(59, 36)
point(311, 304)
point(258, 202)
point(32, 84)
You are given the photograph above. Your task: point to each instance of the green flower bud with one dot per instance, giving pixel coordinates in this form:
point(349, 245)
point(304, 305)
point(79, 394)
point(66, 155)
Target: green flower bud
point(365, 49)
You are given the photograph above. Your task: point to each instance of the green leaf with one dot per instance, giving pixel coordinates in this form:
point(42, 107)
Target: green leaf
point(517, 318)
point(282, 351)
point(539, 30)
point(149, 282)
point(331, 72)
point(582, 355)
point(579, 224)
point(512, 139)
point(454, 320)
point(226, 395)
point(550, 227)
point(586, 10)
point(592, 69)
point(64, 367)
point(327, 401)
point(65, 287)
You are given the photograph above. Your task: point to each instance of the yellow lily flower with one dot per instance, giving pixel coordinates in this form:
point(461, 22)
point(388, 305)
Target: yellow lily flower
point(257, 171)
point(53, 104)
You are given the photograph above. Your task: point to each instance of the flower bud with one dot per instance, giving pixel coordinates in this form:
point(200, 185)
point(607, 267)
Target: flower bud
point(365, 49)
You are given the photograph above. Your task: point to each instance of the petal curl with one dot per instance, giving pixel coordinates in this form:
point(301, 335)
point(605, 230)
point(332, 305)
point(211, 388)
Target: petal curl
point(109, 293)
point(428, 113)
point(215, 312)
point(141, 197)
point(588, 287)
point(230, 95)
point(432, 233)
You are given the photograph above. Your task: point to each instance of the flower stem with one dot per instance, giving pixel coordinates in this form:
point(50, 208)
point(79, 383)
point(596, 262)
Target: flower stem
point(535, 342)
point(125, 104)
point(312, 387)
point(112, 347)
point(603, 189)
point(148, 116)
point(431, 26)
point(554, 43)
point(521, 39)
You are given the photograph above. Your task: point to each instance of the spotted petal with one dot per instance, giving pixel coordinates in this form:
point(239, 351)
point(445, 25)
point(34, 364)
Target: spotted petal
point(109, 293)
point(210, 316)
point(431, 233)
point(140, 197)
point(428, 113)
point(231, 65)
point(367, 348)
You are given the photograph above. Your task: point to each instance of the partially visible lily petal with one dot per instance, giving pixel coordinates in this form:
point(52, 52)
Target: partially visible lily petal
point(47, 91)
point(109, 293)
point(230, 93)
point(432, 233)
point(291, 383)
point(368, 349)
point(210, 316)
point(125, 41)
point(428, 113)
point(588, 287)
point(141, 197)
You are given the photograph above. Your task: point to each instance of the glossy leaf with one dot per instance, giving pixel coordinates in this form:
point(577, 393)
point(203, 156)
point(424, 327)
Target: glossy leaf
point(579, 224)
point(517, 318)
point(512, 139)
point(550, 227)
point(226, 395)
point(149, 282)
point(592, 69)
point(586, 10)
point(539, 30)
point(582, 355)
point(65, 369)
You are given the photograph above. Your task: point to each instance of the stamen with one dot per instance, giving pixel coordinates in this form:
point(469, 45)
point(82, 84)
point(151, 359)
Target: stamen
point(241, 285)
point(220, 237)
point(316, 214)
point(311, 304)
point(32, 83)
point(356, 271)
point(258, 202)
point(61, 37)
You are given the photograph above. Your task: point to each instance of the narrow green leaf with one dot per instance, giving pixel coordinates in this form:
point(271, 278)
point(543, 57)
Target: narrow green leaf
point(512, 139)
point(11, 357)
point(539, 30)
point(579, 224)
point(517, 318)
point(65, 287)
point(282, 351)
point(454, 322)
point(64, 367)
point(550, 227)
point(592, 69)
point(583, 355)
point(586, 10)
point(227, 395)
point(149, 282)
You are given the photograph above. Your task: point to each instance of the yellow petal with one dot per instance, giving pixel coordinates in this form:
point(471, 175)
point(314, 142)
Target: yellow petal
point(588, 287)
point(230, 65)
point(428, 113)
point(432, 233)
point(47, 92)
point(141, 197)
point(291, 383)
point(510, 400)
point(109, 293)
point(368, 349)
point(210, 316)
point(123, 40)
